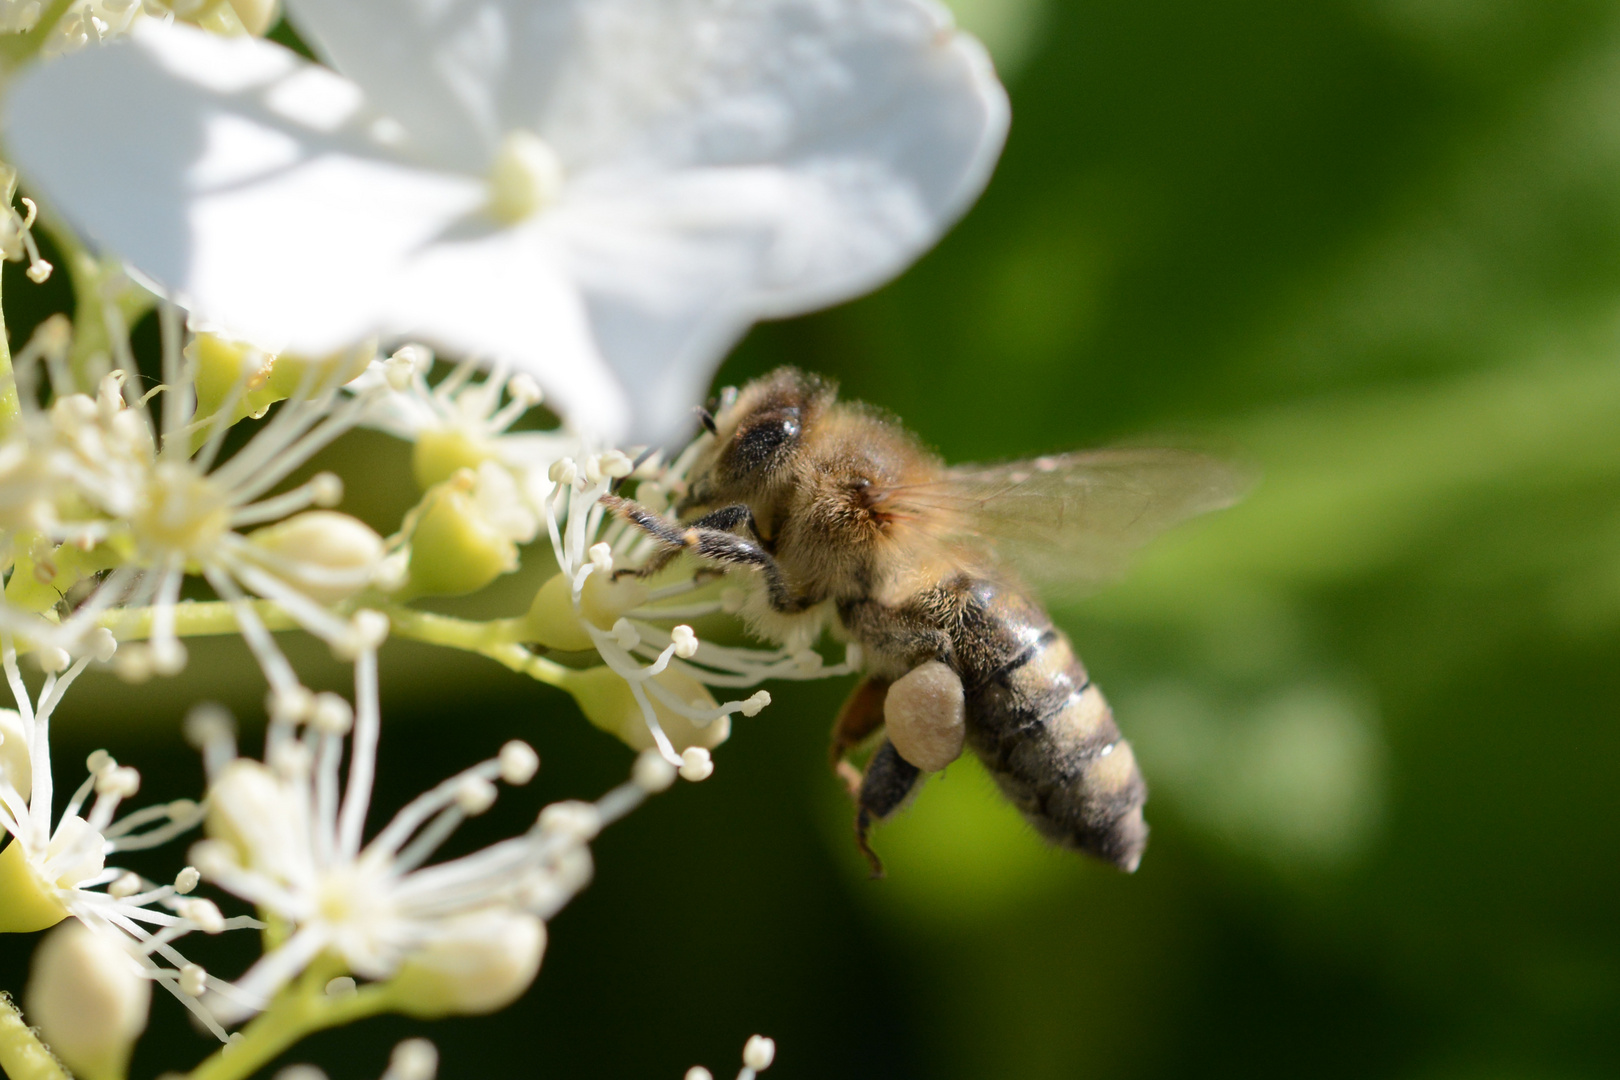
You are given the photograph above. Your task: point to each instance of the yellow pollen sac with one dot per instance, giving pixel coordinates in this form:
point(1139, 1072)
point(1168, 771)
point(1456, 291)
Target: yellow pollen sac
point(26, 905)
point(525, 177)
point(182, 511)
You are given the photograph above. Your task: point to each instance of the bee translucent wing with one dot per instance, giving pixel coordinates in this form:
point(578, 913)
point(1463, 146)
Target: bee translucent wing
point(1069, 522)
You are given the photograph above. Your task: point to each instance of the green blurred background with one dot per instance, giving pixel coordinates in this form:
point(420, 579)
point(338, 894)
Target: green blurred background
point(1375, 246)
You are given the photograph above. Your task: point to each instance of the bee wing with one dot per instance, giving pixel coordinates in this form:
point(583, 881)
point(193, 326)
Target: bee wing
point(1070, 522)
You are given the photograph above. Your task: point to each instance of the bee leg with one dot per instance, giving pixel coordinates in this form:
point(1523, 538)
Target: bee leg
point(672, 534)
point(889, 783)
point(861, 715)
point(712, 537)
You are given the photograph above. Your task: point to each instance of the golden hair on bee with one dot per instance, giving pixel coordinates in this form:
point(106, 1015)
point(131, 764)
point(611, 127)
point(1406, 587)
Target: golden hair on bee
point(838, 514)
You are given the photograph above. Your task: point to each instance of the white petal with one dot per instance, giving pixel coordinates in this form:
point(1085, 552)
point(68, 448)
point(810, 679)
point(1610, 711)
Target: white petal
point(235, 176)
point(502, 294)
point(448, 71)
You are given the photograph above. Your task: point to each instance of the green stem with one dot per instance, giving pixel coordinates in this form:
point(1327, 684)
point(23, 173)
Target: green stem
point(22, 1055)
point(299, 1011)
point(194, 618)
point(498, 639)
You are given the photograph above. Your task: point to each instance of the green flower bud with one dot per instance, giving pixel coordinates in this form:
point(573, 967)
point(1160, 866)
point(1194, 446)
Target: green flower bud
point(466, 531)
point(606, 700)
point(221, 364)
point(90, 1003)
point(454, 550)
point(439, 454)
point(25, 904)
point(552, 621)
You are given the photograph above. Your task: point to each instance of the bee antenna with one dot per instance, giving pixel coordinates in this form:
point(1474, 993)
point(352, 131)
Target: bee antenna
point(706, 418)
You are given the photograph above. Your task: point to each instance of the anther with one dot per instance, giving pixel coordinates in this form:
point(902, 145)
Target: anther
point(193, 980)
point(331, 715)
point(207, 723)
point(572, 819)
point(759, 1052)
point(326, 489)
point(652, 773)
point(518, 762)
point(685, 641)
point(474, 795)
point(697, 764)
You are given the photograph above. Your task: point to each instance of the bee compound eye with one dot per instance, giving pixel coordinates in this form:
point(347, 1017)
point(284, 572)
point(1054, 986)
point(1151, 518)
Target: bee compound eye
point(761, 440)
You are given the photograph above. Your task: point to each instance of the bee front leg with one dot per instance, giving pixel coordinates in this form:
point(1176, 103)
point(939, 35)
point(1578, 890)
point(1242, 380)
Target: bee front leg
point(861, 715)
point(890, 781)
point(712, 537)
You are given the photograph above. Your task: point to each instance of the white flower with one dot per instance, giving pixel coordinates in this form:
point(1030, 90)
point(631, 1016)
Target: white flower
point(49, 873)
point(453, 937)
point(602, 193)
point(110, 484)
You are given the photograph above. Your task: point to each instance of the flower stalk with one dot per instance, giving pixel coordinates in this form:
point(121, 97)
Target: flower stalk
point(22, 1055)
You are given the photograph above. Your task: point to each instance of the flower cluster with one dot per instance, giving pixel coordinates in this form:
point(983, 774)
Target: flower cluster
point(581, 204)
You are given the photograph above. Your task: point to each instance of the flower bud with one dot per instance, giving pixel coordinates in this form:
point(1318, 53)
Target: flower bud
point(88, 1000)
point(440, 453)
point(466, 533)
point(553, 623)
point(26, 904)
point(925, 717)
point(221, 365)
point(475, 963)
point(607, 702)
point(325, 555)
point(290, 372)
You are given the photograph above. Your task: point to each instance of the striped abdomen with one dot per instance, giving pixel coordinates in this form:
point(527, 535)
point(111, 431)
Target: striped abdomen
point(1044, 731)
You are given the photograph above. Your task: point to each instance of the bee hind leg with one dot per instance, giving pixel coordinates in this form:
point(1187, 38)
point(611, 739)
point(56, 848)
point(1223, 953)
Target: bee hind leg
point(889, 784)
point(861, 715)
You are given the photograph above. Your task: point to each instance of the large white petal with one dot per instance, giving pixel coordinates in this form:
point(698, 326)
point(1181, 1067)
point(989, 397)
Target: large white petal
point(234, 175)
point(448, 70)
point(502, 294)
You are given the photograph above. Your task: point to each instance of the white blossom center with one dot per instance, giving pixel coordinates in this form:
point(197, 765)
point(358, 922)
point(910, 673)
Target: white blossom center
point(525, 177)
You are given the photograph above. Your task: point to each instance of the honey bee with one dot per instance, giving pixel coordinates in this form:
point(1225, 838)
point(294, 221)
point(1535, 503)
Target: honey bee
point(847, 519)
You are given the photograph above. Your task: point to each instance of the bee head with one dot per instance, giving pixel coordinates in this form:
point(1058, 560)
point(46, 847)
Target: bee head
point(757, 431)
